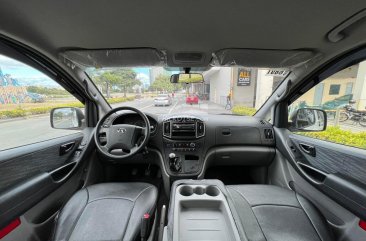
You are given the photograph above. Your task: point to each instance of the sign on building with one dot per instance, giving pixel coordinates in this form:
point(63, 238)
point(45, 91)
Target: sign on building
point(277, 72)
point(244, 77)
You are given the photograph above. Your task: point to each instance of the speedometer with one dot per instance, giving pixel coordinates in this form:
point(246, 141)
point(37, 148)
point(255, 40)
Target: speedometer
point(139, 123)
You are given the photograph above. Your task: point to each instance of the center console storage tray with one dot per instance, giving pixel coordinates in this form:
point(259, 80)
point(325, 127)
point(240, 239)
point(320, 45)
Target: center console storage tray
point(201, 212)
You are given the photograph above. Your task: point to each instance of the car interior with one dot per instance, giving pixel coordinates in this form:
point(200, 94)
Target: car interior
point(124, 173)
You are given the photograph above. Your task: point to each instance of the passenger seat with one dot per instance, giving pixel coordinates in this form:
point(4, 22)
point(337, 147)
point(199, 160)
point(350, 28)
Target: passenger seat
point(272, 213)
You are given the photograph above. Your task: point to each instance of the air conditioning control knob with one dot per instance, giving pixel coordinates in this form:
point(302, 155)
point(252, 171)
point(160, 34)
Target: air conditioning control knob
point(192, 145)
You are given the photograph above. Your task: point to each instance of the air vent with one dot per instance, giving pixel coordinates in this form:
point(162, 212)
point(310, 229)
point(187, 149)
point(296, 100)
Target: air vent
point(200, 129)
point(166, 129)
point(268, 134)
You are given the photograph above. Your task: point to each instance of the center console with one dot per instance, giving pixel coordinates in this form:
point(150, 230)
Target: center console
point(199, 211)
point(183, 145)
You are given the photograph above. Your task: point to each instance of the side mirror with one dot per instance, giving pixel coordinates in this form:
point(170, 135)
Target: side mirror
point(68, 118)
point(308, 119)
point(186, 78)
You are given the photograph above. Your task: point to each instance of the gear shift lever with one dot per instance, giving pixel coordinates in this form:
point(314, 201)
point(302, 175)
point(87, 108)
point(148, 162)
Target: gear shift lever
point(175, 163)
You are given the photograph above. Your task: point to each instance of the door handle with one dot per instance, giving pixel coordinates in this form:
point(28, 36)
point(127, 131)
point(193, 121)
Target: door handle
point(226, 132)
point(308, 149)
point(60, 174)
point(313, 173)
point(65, 148)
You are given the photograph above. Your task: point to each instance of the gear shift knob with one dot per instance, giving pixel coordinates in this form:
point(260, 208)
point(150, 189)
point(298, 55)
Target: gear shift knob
point(175, 163)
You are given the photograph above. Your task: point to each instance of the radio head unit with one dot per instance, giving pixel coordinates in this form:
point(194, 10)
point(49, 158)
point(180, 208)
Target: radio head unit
point(183, 128)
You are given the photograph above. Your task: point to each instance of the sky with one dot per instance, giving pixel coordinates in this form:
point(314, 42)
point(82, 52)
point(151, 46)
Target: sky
point(28, 75)
point(143, 74)
point(19, 70)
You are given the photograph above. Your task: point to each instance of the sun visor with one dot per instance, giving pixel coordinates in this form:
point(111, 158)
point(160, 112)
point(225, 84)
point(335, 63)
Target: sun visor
point(262, 58)
point(115, 57)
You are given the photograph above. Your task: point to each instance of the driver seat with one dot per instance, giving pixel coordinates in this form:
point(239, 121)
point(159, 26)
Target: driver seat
point(107, 211)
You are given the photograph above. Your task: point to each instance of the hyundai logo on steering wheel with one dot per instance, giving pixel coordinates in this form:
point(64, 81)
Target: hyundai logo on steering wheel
point(121, 130)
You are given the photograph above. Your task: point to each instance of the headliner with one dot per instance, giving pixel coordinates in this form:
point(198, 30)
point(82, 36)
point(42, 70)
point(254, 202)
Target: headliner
point(190, 25)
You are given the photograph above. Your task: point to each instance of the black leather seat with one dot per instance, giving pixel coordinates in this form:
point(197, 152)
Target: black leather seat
point(108, 211)
point(271, 213)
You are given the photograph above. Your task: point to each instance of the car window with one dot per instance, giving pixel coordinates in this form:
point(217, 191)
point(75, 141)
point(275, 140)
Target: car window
point(343, 97)
point(26, 98)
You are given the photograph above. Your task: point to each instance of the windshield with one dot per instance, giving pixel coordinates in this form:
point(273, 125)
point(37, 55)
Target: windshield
point(225, 90)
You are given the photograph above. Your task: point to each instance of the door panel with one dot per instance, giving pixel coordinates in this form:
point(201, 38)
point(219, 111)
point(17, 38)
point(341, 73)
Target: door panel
point(34, 159)
point(327, 179)
point(332, 158)
point(336, 170)
point(343, 223)
point(33, 174)
point(37, 223)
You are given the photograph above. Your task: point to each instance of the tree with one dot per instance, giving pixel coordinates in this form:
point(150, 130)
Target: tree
point(100, 79)
point(105, 78)
point(124, 78)
point(162, 83)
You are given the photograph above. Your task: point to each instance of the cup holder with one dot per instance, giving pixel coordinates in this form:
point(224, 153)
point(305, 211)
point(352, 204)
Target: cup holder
point(212, 191)
point(186, 191)
point(199, 190)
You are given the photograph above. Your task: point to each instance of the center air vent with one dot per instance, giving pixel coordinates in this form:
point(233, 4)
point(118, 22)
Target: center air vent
point(184, 130)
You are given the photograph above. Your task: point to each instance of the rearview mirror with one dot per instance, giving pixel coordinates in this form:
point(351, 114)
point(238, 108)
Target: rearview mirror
point(308, 119)
point(186, 78)
point(67, 118)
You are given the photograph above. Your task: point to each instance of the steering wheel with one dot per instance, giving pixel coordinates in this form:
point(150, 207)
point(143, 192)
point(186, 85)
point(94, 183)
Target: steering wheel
point(128, 138)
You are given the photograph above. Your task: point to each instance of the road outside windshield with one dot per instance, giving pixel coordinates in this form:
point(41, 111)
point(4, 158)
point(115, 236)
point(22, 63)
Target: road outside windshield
point(225, 90)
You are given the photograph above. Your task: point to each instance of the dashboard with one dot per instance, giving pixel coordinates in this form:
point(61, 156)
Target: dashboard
point(189, 144)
